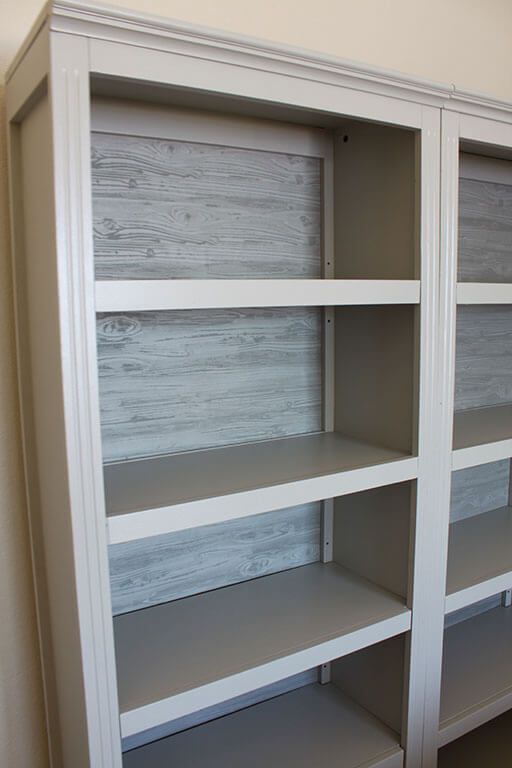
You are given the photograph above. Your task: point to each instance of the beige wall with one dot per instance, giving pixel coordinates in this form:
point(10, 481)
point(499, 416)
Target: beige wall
point(466, 42)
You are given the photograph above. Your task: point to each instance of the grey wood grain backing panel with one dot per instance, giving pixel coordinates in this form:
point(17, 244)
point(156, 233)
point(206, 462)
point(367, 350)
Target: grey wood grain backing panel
point(168, 567)
point(485, 231)
point(172, 209)
point(224, 708)
point(176, 381)
point(483, 364)
point(479, 489)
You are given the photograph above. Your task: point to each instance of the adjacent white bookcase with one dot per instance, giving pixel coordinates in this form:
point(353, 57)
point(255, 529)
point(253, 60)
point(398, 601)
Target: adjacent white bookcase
point(236, 343)
point(476, 353)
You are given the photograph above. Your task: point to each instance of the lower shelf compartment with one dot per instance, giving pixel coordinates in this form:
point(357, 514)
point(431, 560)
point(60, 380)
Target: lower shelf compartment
point(477, 672)
point(313, 725)
point(489, 746)
point(479, 558)
point(482, 435)
point(180, 657)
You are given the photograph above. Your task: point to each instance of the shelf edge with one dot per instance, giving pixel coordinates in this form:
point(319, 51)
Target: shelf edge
point(142, 524)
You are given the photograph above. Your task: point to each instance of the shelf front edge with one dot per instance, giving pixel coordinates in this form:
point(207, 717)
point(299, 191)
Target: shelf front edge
point(158, 295)
point(182, 704)
point(484, 293)
point(141, 524)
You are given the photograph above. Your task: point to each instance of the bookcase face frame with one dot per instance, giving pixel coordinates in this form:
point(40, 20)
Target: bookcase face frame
point(72, 50)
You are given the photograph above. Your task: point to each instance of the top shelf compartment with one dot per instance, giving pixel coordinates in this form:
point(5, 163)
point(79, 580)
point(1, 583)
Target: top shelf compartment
point(185, 200)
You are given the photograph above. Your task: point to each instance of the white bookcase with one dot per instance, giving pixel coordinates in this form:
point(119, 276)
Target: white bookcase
point(476, 277)
point(237, 356)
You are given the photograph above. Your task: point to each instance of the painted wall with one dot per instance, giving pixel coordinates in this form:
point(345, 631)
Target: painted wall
point(466, 42)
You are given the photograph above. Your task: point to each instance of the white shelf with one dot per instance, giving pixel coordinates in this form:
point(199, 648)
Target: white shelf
point(489, 746)
point(171, 493)
point(484, 293)
point(152, 295)
point(176, 658)
point(479, 558)
point(314, 725)
point(477, 672)
point(482, 435)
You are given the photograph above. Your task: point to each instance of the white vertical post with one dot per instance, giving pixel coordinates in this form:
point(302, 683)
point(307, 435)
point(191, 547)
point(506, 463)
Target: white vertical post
point(426, 578)
point(70, 109)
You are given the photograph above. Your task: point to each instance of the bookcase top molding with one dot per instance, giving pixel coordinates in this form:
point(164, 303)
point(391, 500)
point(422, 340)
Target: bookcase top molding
point(101, 22)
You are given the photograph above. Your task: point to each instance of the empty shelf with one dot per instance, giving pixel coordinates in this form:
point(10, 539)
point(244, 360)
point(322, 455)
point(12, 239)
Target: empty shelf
point(314, 725)
point(484, 293)
point(477, 672)
point(482, 435)
point(180, 657)
point(479, 558)
point(489, 746)
point(170, 493)
point(151, 295)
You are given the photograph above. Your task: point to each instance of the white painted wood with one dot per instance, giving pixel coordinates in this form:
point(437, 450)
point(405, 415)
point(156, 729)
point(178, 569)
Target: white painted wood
point(151, 295)
point(482, 435)
point(221, 710)
point(75, 296)
point(435, 535)
point(318, 91)
point(479, 557)
point(496, 134)
point(481, 168)
point(280, 83)
point(131, 118)
point(477, 673)
point(489, 746)
point(484, 293)
point(152, 496)
point(425, 434)
point(474, 609)
point(175, 658)
point(315, 725)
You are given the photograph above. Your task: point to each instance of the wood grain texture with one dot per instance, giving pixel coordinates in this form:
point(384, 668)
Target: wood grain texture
point(168, 567)
point(177, 381)
point(483, 363)
point(485, 231)
point(479, 489)
point(172, 209)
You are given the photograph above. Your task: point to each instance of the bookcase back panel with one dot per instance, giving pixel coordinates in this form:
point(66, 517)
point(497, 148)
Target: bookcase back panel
point(177, 381)
point(163, 568)
point(485, 231)
point(175, 209)
point(483, 364)
point(479, 489)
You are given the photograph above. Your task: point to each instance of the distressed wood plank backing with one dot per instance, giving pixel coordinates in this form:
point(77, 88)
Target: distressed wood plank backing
point(485, 231)
point(176, 381)
point(479, 489)
point(172, 209)
point(168, 567)
point(483, 364)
